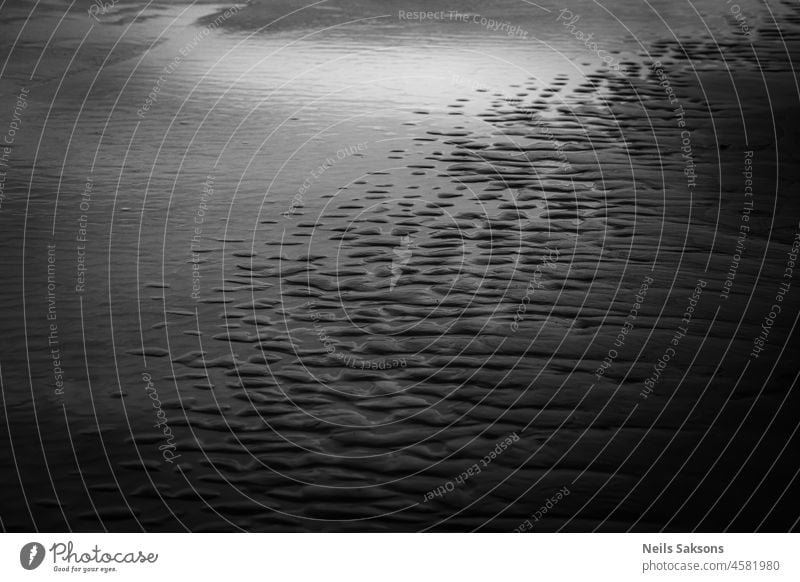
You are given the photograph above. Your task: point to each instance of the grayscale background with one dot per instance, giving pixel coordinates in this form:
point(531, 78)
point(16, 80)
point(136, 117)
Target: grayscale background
point(371, 265)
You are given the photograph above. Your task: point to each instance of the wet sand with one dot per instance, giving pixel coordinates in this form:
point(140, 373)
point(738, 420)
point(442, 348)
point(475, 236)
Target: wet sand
point(429, 300)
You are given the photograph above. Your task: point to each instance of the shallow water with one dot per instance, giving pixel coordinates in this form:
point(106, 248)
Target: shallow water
point(347, 263)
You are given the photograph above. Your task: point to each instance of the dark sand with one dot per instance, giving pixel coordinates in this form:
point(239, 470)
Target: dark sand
point(349, 354)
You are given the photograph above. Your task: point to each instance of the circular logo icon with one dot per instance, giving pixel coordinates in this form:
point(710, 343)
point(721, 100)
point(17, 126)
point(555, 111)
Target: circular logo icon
point(31, 555)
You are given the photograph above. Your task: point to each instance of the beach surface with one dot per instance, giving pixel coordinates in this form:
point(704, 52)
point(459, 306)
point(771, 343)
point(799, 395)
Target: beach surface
point(350, 266)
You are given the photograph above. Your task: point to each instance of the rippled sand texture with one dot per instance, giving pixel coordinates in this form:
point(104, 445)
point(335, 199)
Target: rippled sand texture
point(354, 359)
